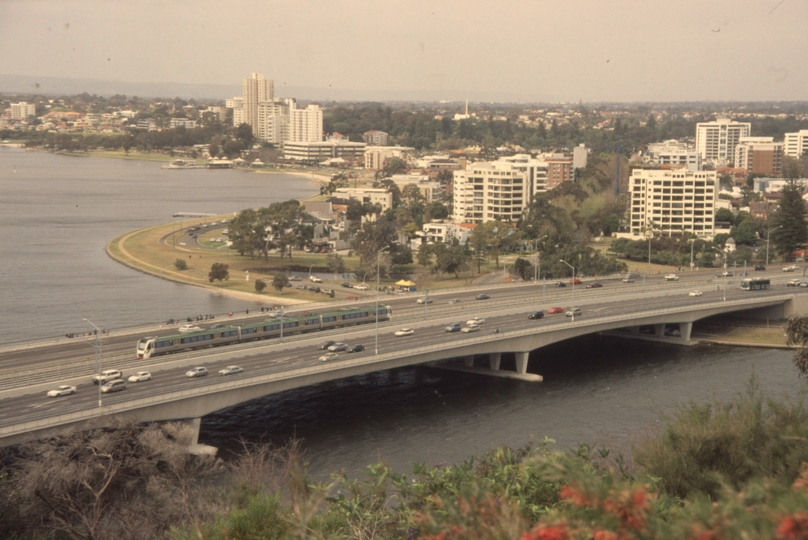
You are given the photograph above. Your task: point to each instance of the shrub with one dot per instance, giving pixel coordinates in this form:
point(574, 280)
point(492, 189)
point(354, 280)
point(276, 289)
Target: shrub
point(260, 285)
point(180, 264)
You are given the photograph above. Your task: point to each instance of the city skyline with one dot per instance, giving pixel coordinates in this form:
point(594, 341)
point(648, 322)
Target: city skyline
point(578, 50)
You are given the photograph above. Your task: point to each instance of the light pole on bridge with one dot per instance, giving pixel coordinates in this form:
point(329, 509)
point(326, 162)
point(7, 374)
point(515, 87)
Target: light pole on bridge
point(572, 309)
point(97, 347)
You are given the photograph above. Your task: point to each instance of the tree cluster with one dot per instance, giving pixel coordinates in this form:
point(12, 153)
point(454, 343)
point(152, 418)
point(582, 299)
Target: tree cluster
point(278, 226)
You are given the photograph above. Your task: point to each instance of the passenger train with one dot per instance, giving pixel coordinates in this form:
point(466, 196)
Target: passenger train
point(154, 346)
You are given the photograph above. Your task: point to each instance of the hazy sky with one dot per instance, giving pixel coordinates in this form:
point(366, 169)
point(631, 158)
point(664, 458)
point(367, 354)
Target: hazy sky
point(564, 50)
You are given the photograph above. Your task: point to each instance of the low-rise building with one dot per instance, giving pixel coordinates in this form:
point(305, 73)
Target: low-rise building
point(376, 138)
point(795, 144)
point(378, 196)
point(760, 155)
point(674, 154)
point(317, 152)
point(446, 232)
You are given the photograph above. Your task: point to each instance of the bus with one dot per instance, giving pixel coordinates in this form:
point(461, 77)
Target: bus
point(755, 284)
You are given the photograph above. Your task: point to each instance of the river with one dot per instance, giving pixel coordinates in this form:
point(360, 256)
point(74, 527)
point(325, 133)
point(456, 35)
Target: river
point(57, 213)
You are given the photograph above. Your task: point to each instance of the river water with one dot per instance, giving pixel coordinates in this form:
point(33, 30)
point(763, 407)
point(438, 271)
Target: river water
point(57, 213)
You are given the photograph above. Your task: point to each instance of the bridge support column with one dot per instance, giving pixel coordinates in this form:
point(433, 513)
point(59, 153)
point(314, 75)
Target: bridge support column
point(194, 447)
point(634, 329)
point(469, 361)
point(659, 330)
point(194, 424)
point(684, 330)
point(521, 362)
point(493, 360)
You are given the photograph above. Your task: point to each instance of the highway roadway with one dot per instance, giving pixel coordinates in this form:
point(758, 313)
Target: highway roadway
point(27, 374)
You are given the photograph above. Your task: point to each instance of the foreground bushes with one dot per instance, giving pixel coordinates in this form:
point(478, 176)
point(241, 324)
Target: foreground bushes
point(715, 471)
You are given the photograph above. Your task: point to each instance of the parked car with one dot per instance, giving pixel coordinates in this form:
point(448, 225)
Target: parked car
point(554, 310)
point(694, 293)
point(328, 356)
point(140, 376)
point(188, 328)
point(315, 279)
point(107, 375)
point(196, 372)
point(361, 287)
point(573, 311)
point(404, 332)
point(482, 297)
point(536, 315)
point(454, 327)
point(230, 370)
point(337, 347)
point(63, 390)
point(424, 300)
point(595, 285)
point(113, 386)
point(468, 329)
point(325, 344)
point(355, 348)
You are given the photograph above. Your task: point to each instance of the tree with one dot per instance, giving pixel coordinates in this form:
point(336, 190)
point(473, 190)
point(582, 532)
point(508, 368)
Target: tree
point(260, 285)
point(797, 334)
point(280, 281)
point(790, 218)
point(412, 193)
point(522, 268)
point(335, 263)
point(219, 271)
point(724, 215)
point(181, 264)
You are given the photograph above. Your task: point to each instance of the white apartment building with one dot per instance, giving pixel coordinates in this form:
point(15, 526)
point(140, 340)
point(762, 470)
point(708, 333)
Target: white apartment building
point(489, 191)
point(317, 152)
point(760, 155)
point(431, 189)
point(716, 141)
point(378, 196)
point(237, 104)
point(305, 125)
point(255, 89)
point(375, 156)
point(273, 122)
point(376, 138)
point(542, 173)
point(674, 154)
point(796, 144)
point(672, 202)
point(435, 232)
point(183, 122)
point(22, 110)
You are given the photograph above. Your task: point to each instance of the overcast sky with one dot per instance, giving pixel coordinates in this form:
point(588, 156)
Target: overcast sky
point(520, 50)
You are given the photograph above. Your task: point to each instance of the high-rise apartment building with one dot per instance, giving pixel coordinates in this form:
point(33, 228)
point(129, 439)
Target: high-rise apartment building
point(665, 201)
point(489, 191)
point(22, 110)
point(760, 155)
point(542, 173)
point(673, 154)
point(305, 125)
point(796, 144)
point(716, 141)
point(255, 90)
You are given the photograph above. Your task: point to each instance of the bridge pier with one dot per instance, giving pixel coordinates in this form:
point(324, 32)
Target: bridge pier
point(194, 447)
point(468, 361)
point(659, 330)
point(521, 362)
point(494, 360)
point(685, 329)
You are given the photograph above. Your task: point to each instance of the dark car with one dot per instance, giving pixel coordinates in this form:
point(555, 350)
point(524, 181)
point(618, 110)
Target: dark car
point(325, 345)
point(536, 315)
point(347, 285)
point(482, 297)
point(355, 348)
point(454, 327)
point(760, 267)
point(595, 285)
point(560, 284)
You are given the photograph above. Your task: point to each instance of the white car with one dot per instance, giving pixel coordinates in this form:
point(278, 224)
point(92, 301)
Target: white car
point(315, 279)
point(196, 372)
point(328, 356)
point(63, 390)
point(794, 283)
point(628, 280)
point(424, 300)
point(672, 277)
point(188, 328)
point(405, 332)
point(476, 321)
point(468, 329)
point(230, 370)
point(361, 287)
point(694, 293)
point(140, 376)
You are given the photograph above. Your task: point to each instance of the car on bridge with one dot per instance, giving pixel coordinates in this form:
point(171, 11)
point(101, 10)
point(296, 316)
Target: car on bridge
point(328, 356)
point(107, 375)
point(454, 301)
point(404, 332)
point(325, 344)
point(63, 390)
point(355, 348)
point(576, 281)
point(671, 277)
point(694, 293)
point(482, 297)
point(337, 347)
point(536, 315)
point(454, 327)
point(424, 300)
point(791, 268)
point(560, 284)
point(140, 376)
point(628, 280)
point(113, 386)
point(469, 329)
point(595, 285)
point(230, 370)
point(196, 372)
point(188, 328)
point(554, 310)
point(760, 267)
point(793, 283)
point(475, 321)
point(573, 311)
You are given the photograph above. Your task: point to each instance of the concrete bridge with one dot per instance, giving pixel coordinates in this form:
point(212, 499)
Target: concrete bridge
point(190, 404)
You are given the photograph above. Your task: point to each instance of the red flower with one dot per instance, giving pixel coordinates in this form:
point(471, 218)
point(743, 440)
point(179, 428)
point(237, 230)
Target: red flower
point(600, 534)
point(794, 526)
point(570, 494)
point(541, 532)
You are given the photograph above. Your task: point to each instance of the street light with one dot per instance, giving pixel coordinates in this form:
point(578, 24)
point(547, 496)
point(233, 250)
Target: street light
point(378, 254)
point(573, 288)
point(281, 324)
point(692, 243)
point(160, 322)
point(724, 273)
point(538, 258)
point(97, 356)
point(767, 242)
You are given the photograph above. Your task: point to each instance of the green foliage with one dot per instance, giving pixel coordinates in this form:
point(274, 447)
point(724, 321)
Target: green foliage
point(790, 218)
point(219, 271)
point(260, 285)
point(797, 334)
point(180, 264)
point(522, 268)
point(280, 281)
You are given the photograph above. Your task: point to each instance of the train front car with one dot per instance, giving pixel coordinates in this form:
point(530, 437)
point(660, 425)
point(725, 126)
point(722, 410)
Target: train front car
point(145, 348)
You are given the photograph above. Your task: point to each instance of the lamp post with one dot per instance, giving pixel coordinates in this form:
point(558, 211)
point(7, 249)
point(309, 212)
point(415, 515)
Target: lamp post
point(310, 267)
point(692, 243)
point(281, 324)
point(767, 242)
point(573, 288)
point(538, 258)
point(97, 347)
point(724, 273)
point(378, 255)
point(160, 322)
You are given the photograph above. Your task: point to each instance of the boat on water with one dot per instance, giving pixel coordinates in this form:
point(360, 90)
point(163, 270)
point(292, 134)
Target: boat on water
point(183, 164)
